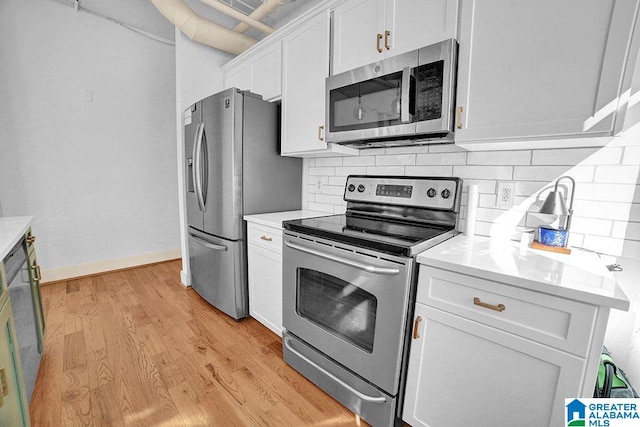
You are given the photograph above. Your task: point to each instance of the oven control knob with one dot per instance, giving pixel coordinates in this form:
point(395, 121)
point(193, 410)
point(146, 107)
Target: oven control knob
point(351, 188)
point(360, 188)
point(431, 192)
point(445, 193)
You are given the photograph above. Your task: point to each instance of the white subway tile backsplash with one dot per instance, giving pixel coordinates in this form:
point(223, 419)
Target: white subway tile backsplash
point(504, 173)
point(484, 186)
point(412, 149)
point(499, 158)
point(628, 230)
point(329, 199)
point(396, 159)
point(605, 192)
point(445, 148)
point(566, 157)
point(631, 155)
point(618, 174)
point(327, 171)
point(338, 180)
point(442, 159)
point(328, 161)
point(487, 200)
point(385, 170)
point(598, 227)
point(350, 170)
point(607, 206)
point(551, 173)
point(322, 207)
point(527, 188)
point(359, 161)
point(429, 170)
point(603, 210)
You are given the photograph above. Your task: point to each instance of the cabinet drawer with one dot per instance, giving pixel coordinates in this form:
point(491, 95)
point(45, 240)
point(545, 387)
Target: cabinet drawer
point(266, 237)
point(557, 322)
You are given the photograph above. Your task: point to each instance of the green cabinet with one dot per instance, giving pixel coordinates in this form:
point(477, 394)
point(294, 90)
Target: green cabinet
point(14, 410)
point(34, 279)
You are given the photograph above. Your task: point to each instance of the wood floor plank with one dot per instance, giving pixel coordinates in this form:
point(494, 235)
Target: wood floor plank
point(135, 348)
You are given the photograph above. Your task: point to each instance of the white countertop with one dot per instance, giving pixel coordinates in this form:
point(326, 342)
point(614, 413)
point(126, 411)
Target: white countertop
point(275, 219)
point(581, 276)
point(11, 231)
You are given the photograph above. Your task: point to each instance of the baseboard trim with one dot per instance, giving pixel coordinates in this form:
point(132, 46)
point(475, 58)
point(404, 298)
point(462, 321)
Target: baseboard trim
point(77, 271)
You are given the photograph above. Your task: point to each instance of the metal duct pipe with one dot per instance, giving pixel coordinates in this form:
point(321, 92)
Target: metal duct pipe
point(202, 30)
point(263, 10)
point(228, 10)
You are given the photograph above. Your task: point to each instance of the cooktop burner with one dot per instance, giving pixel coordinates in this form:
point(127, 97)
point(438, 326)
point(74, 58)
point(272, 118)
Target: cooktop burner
point(383, 235)
point(399, 215)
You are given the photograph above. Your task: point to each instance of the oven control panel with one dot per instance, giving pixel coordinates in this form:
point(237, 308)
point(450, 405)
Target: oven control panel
point(422, 192)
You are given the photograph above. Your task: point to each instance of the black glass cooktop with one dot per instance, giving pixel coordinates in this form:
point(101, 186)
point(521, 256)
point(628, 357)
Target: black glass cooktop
point(391, 236)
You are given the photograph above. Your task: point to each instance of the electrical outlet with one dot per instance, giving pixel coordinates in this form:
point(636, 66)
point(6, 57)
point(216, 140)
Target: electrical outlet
point(506, 194)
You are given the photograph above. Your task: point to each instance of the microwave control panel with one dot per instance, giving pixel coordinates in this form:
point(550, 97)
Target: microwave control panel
point(420, 192)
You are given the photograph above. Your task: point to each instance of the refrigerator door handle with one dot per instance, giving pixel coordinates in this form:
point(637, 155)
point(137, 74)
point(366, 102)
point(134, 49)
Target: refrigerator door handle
point(207, 244)
point(197, 157)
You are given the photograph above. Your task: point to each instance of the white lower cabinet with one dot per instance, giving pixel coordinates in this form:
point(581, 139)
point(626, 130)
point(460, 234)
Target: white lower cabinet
point(264, 253)
point(463, 373)
point(487, 354)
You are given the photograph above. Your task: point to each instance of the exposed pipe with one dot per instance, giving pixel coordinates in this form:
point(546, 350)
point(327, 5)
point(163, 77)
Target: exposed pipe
point(228, 10)
point(202, 30)
point(263, 10)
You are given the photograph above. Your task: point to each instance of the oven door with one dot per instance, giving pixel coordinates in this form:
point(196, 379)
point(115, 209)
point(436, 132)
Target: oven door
point(351, 304)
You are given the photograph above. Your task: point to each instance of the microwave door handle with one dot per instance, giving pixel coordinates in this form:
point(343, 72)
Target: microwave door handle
point(405, 101)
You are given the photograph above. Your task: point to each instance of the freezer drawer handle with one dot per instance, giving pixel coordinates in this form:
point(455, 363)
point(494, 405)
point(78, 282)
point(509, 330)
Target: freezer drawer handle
point(361, 395)
point(209, 245)
point(365, 267)
point(499, 307)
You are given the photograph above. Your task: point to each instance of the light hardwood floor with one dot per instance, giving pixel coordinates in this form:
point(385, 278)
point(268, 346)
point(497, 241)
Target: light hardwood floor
point(134, 348)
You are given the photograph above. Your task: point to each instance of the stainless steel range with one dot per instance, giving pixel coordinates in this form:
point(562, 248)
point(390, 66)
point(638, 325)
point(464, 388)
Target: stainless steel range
point(349, 284)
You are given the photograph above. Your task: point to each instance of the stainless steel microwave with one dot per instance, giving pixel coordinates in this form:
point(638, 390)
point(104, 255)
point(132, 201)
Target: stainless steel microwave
point(406, 99)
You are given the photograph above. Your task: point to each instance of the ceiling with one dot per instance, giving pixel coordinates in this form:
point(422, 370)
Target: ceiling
point(142, 14)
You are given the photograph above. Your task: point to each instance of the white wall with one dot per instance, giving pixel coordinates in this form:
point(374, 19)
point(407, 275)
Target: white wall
point(87, 142)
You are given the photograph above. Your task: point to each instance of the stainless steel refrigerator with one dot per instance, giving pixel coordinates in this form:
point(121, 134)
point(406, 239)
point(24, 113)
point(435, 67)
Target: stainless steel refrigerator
point(233, 168)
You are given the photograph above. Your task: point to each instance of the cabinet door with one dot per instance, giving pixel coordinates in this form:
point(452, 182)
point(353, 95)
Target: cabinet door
point(266, 72)
point(356, 25)
point(462, 373)
point(305, 68)
point(265, 287)
point(238, 77)
point(34, 278)
point(412, 24)
point(542, 69)
point(14, 410)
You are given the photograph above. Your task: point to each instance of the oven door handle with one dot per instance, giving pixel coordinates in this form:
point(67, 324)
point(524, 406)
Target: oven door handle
point(365, 267)
point(367, 398)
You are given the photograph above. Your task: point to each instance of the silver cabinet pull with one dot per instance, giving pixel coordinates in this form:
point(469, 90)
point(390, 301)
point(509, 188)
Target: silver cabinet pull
point(361, 395)
point(365, 267)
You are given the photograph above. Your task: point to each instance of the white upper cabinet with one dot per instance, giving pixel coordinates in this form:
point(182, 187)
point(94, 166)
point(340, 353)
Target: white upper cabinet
point(305, 59)
point(366, 31)
point(259, 72)
point(538, 73)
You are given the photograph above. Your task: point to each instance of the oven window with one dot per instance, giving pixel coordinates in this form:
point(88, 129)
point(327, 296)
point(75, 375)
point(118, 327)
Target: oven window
point(370, 104)
point(339, 307)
